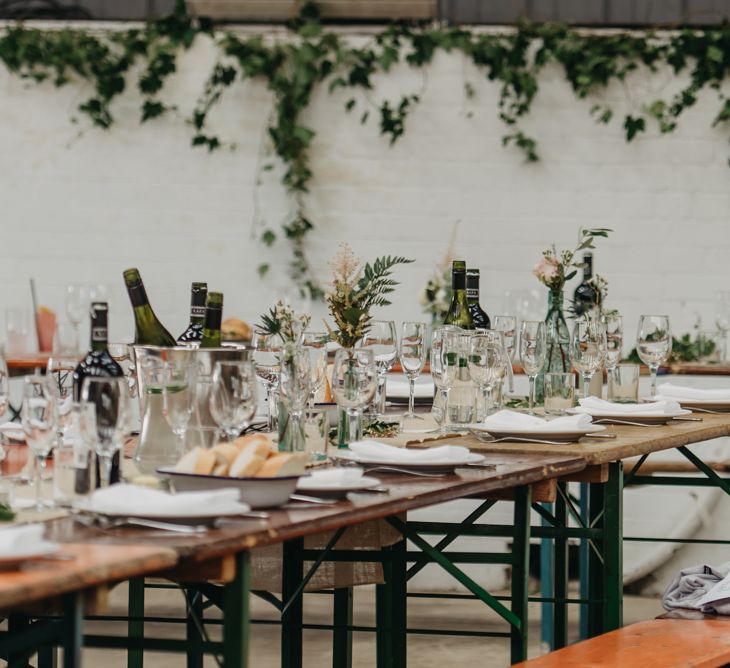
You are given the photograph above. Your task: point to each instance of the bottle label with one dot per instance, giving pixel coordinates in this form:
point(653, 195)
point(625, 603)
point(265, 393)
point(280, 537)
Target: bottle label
point(137, 295)
point(197, 311)
point(472, 293)
point(99, 334)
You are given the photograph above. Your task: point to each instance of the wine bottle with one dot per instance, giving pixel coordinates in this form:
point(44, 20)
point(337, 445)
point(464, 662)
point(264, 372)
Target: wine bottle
point(478, 316)
point(458, 313)
point(148, 330)
point(194, 332)
point(585, 298)
point(213, 317)
point(97, 363)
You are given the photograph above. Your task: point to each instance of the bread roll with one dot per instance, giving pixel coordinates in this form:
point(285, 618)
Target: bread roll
point(225, 454)
point(247, 464)
point(198, 460)
point(256, 442)
point(283, 464)
point(233, 329)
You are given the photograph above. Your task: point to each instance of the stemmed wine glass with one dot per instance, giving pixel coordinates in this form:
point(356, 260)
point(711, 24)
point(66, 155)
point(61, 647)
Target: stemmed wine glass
point(533, 349)
point(60, 372)
point(4, 380)
point(353, 385)
point(77, 307)
point(507, 324)
point(266, 357)
point(487, 363)
point(110, 397)
point(722, 318)
point(39, 414)
point(588, 348)
point(179, 391)
point(294, 387)
point(654, 344)
point(383, 340)
point(233, 396)
point(614, 324)
point(316, 344)
point(412, 354)
point(442, 373)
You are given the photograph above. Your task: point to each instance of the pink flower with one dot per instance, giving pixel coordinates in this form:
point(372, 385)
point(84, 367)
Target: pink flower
point(546, 270)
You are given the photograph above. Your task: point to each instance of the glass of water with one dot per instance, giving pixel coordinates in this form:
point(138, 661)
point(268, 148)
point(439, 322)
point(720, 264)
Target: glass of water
point(654, 343)
point(623, 384)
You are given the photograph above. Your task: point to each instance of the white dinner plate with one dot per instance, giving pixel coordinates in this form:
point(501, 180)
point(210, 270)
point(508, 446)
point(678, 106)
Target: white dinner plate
point(436, 465)
point(201, 516)
point(538, 432)
point(335, 488)
point(642, 418)
point(15, 558)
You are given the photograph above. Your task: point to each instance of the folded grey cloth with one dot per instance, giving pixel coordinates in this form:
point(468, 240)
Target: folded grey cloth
point(691, 584)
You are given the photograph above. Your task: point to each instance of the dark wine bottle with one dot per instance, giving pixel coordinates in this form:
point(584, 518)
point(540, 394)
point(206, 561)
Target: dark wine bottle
point(194, 332)
point(459, 309)
point(585, 297)
point(97, 363)
point(478, 315)
point(213, 317)
point(148, 330)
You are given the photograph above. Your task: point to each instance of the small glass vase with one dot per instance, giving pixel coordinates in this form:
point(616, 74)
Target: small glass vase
point(291, 430)
point(557, 334)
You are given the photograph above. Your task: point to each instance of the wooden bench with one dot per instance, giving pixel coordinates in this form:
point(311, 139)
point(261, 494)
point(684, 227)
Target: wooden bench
point(657, 643)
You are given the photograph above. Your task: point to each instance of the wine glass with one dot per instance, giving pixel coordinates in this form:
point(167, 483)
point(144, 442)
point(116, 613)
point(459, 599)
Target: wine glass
point(381, 337)
point(588, 348)
point(266, 357)
point(110, 397)
point(353, 385)
point(4, 384)
point(294, 388)
point(722, 318)
point(233, 396)
point(60, 373)
point(179, 389)
point(654, 343)
point(487, 363)
point(316, 344)
point(443, 380)
point(39, 415)
point(614, 324)
point(412, 358)
point(533, 349)
point(77, 307)
point(507, 324)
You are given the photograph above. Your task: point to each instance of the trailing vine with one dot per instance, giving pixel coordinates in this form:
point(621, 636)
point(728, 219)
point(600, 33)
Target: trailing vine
point(310, 56)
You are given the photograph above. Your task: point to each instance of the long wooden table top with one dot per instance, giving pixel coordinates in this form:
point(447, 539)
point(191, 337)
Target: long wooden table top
point(630, 441)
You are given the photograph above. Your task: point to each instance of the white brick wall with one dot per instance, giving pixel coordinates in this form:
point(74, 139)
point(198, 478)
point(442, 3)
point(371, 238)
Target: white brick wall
point(82, 208)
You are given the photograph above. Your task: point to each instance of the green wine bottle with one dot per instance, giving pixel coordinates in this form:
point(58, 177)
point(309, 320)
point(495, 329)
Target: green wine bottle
point(459, 310)
point(213, 317)
point(478, 315)
point(148, 330)
point(194, 332)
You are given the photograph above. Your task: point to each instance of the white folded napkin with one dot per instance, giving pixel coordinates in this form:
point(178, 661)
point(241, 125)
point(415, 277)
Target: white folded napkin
point(133, 500)
point(21, 538)
point(507, 420)
point(679, 392)
point(596, 406)
point(344, 475)
point(399, 388)
point(12, 430)
point(374, 450)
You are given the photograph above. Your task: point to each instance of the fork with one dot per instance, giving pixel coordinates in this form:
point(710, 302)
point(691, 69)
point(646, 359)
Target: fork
point(106, 523)
point(395, 469)
point(480, 436)
point(626, 422)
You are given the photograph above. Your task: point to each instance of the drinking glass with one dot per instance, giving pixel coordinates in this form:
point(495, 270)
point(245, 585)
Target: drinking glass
point(178, 397)
point(60, 373)
point(73, 470)
point(233, 396)
point(412, 358)
point(294, 388)
point(613, 322)
point(316, 344)
point(441, 374)
point(654, 343)
point(40, 423)
point(507, 324)
point(266, 357)
point(559, 393)
point(4, 384)
point(487, 363)
point(623, 384)
point(722, 318)
point(588, 348)
point(64, 339)
point(354, 378)
point(383, 340)
point(533, 349)
point(17, 332)
point(110, 397)
point(77, 307)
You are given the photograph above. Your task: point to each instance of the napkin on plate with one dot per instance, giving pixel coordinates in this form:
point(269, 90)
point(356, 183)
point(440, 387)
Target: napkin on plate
point(22, 538)
point(400, 388)
point(373, 450)
point(600, 406)
point(344, 475)
point(507, 420)
point(681, 392)
point(134, 500)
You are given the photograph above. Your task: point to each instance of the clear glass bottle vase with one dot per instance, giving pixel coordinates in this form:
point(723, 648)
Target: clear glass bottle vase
point(557, 334)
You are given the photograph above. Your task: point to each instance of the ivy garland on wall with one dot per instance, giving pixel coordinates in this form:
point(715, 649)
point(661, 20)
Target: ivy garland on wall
point(311, 56)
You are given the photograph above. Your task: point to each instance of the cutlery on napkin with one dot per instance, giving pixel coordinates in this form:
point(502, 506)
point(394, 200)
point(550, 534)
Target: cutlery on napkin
point(374, 450)
point(506, 420)
point(601, 406)
point(681, 392)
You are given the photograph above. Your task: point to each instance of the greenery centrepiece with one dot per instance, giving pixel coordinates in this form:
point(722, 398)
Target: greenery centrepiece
point(294, 67)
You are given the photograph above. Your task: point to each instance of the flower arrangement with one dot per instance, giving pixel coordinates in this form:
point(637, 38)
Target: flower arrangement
point(282, 321)
point(556, 268)
point(355, 290)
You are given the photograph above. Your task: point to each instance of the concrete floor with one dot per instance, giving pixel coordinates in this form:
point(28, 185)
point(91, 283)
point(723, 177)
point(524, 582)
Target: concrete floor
point(424, 651)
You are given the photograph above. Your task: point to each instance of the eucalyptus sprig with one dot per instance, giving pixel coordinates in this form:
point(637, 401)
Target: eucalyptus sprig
point(282, 321)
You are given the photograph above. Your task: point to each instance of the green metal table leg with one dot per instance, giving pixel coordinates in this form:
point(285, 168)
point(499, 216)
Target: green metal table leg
point(73, 619)
point(391, 609)
point(546, 584)
point(613, 548)
point(341, 634)
point(520, 573)
point(291, 619)
point(195, 612)
point(595, 563)
point(384, 618)
point(16, 624)
point(236, 616)
point(135, 628)
point(47, 657)
point(583, 557)
point(560, 566)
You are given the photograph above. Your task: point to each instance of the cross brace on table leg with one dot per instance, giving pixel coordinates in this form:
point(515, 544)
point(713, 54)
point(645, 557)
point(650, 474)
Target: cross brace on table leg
point(634, 469)
point(722, 483)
